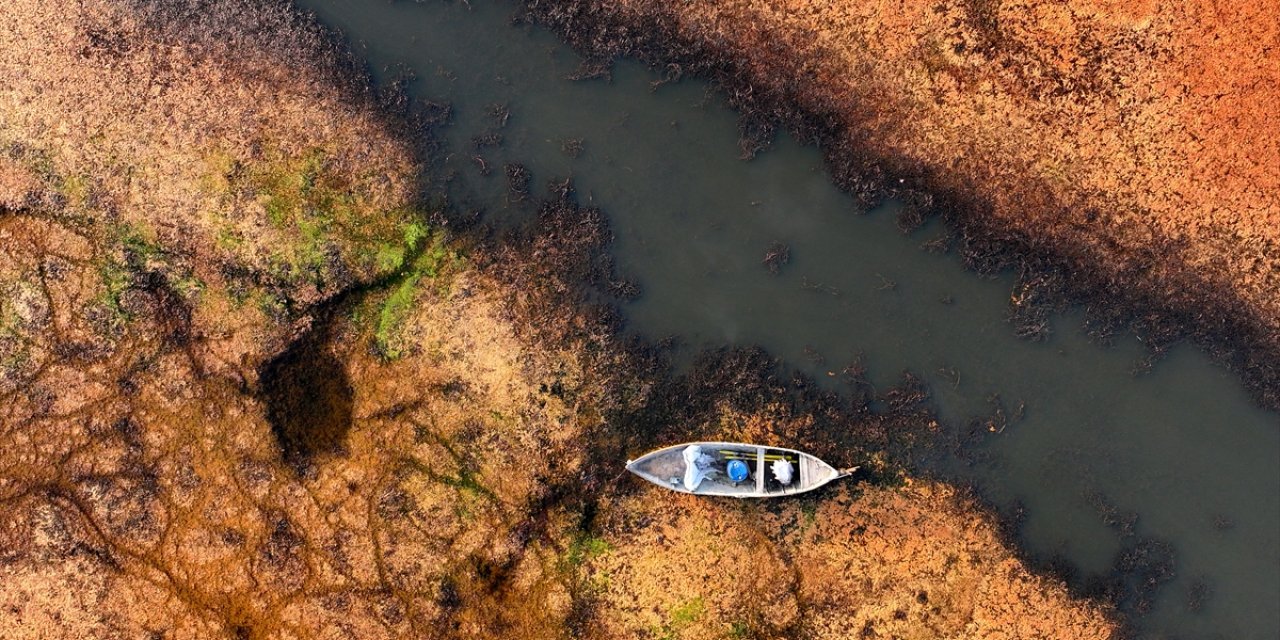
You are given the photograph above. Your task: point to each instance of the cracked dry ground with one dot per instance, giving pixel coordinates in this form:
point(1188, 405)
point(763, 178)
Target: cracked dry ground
point(247, 390)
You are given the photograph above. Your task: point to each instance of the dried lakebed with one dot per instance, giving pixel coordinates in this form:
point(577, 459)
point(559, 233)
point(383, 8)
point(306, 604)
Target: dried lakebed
point(1154, 487)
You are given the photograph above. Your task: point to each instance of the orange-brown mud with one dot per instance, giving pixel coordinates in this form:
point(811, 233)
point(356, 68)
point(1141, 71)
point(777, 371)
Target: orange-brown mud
point(1120, 154)
point(251, 388)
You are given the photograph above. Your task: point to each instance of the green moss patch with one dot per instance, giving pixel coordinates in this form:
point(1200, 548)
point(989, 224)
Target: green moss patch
point(325, 226)
point(430, 264)
point(585, 547)
point(681, 617)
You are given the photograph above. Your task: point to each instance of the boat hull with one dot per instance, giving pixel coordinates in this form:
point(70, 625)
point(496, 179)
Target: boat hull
point(667, 468)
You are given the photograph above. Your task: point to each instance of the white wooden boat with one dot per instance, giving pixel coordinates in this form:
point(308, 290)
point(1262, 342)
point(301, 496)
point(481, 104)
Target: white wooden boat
point(703, 468)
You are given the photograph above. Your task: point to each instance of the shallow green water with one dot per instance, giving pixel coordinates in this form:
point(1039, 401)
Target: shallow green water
point(1182, 447)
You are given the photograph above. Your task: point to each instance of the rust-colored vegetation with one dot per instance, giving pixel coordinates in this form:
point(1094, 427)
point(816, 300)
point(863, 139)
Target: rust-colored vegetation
point(911, 562)
point(249, 389)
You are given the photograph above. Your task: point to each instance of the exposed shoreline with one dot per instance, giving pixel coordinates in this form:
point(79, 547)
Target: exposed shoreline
point(1129, 264)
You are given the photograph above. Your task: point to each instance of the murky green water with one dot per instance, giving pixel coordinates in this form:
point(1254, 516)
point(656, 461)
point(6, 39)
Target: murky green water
point(1181, 447)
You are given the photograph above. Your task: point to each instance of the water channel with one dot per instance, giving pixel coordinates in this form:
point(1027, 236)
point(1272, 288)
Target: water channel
point(1181, 448)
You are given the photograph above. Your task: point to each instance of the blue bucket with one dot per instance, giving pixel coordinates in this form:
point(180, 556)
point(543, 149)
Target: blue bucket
point(737, 470)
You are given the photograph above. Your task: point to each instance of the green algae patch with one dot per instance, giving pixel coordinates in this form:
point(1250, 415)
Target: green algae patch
point(432, 264)
point(306, 219)
point(75, 190)
point(305, 203)
point(682, 616)
point(115, 279)
point(390, 257)
point(585, 547)
point(128, 249)
point(138, 240)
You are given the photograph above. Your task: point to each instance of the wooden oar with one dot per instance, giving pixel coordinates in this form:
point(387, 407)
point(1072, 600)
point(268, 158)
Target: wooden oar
point(738, 455)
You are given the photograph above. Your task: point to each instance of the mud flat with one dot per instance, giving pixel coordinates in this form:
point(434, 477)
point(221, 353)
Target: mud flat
point(254, 387)
point(1118, 155)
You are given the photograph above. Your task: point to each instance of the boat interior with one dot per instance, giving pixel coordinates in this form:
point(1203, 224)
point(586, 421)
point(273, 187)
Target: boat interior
point(668, 467)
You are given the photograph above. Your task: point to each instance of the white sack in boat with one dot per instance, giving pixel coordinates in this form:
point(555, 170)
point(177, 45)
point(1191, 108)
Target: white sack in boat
point(697, 466)
point(782, 471)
